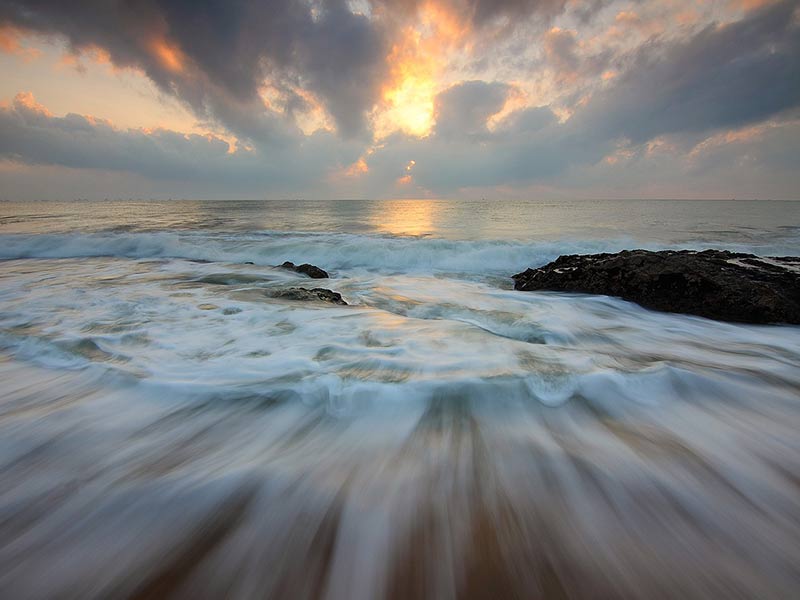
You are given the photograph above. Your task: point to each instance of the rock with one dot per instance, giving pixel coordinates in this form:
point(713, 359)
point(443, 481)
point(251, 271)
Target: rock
point(717, 284)
point(306, 269)
point(207, 306)
point(298, 293)
point(231, 279)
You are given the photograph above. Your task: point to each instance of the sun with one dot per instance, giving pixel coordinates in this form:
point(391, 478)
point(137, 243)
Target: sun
point(410, 97)
point(416, 62)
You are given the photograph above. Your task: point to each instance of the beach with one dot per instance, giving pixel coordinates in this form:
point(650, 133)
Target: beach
point(169, 427)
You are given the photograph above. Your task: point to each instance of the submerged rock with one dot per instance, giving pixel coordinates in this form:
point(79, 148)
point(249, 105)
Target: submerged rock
point(717, 284)
point(231, 279)
point(298, 293)
point(306, 269)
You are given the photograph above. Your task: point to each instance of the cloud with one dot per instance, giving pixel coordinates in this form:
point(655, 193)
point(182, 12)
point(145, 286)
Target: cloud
point(570, 62)
point(30, 134)
point(486, 11)
point(559, 48)
point(462, 110)
point(724, 76)
point(679, 90)
point(481, 13)
point(216, 54)
point(740, 164)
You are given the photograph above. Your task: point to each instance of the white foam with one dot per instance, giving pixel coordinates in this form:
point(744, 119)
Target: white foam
point(417, 333)
point(144, 400)
point(333, 252)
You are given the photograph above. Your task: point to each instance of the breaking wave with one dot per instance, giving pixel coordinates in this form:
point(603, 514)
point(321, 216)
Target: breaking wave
point(335, 251)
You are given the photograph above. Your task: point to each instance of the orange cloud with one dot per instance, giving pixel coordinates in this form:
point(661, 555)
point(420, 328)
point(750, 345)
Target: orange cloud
point(687, 17)
point(627, 22)
point(407, 178)
point(618, 156)
point(416, 61)
point(358, 168)
point(627, 17)
point(168, 55)
point(516, 99)
point(11, 43)
point(734, 136)
point(27, 101)
point(315, 117)
point(95, 55)
point(310, 115)
point(9, 39)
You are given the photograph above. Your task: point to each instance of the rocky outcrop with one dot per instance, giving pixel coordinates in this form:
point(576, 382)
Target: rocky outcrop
point(717, 284)
point(306, 269)
point(299, 293)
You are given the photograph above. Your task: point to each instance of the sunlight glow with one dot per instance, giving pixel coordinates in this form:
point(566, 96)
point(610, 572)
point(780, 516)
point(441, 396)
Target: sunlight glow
point(358, 168)
point(416, 62)
point(407, 217)
point(169, 55)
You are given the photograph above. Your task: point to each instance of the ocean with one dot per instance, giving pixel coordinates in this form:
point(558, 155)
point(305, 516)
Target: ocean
point(170, 429)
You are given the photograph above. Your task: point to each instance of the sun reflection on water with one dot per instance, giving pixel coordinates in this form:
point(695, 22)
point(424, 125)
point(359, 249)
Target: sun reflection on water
point(407, 217)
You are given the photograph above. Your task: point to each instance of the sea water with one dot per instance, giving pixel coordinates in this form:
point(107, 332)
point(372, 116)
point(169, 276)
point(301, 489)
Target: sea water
point(168, 428)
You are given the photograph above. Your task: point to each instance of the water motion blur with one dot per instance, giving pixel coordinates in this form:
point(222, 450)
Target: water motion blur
point(169, 428)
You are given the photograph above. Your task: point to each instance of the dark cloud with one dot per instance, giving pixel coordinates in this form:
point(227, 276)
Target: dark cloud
point(462, 110)
point(685, 89)
point(228, 48)
point(560, 50)
point(562, 53)
point(28, 133)
point(486, 11)
point(526, 122)
point(764, 164)
point(724, 76)
point(584, 12)
point(31, 135)
point(482, 12)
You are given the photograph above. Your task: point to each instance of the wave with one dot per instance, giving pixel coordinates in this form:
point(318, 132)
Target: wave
point(172, 409)
point(334, 251)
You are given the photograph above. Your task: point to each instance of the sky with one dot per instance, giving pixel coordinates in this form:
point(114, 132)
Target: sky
point(399, 99)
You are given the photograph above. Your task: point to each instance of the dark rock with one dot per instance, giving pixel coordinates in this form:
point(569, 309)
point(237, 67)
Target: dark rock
point(231, 279)
point(717, 284)
point(306, 269)
point(298, 293)
point(248, 262)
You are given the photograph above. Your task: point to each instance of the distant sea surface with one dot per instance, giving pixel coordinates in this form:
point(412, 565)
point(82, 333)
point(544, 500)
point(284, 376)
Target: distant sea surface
point(170, 429)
